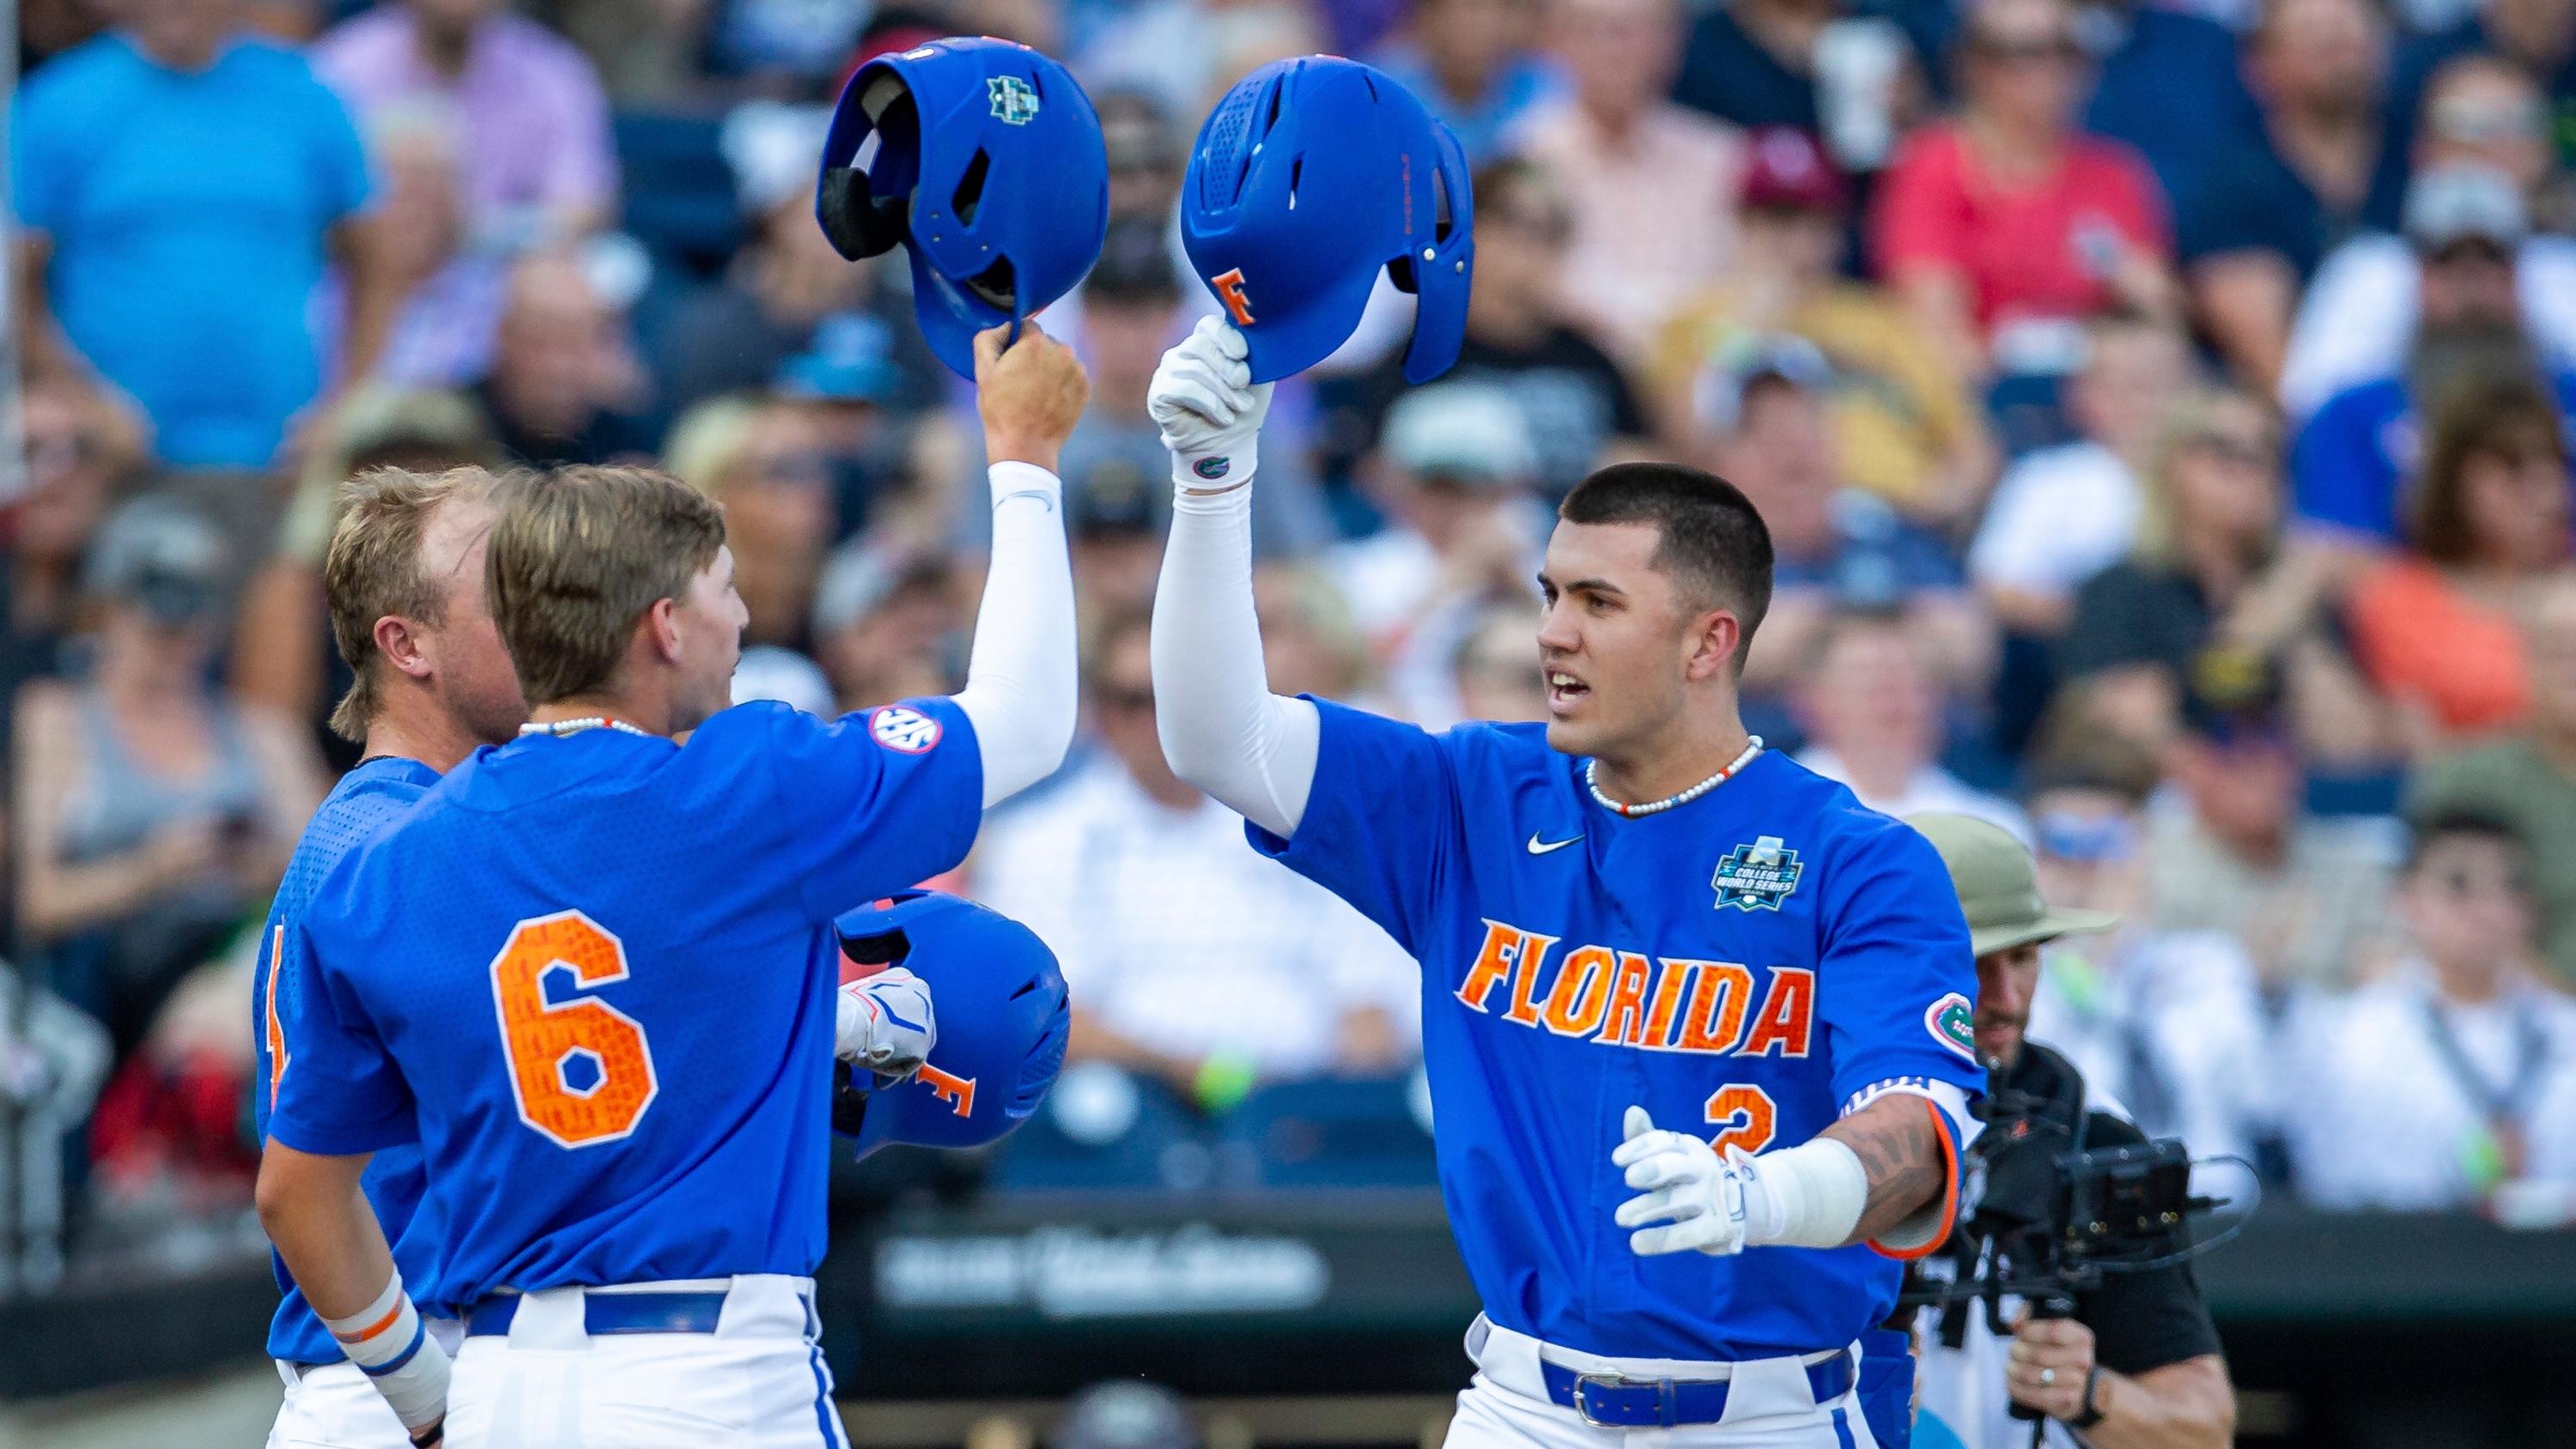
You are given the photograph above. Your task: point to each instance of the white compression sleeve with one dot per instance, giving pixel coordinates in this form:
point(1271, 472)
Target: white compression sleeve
point(1020, 679)
point(1812, 1196)
point(1223, 730)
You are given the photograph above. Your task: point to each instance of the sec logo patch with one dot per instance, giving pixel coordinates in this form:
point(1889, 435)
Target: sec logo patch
point(903, 729)
point(1953, 1023)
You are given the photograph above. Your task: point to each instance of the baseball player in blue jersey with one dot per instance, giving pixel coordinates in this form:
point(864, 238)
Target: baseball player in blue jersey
point(1678, 992)
point(592, 972)
point(403, 582)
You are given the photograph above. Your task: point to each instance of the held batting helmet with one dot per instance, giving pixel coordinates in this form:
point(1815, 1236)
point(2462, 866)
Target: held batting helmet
point(984, 159)
point(1002, 1011)
point(1308, 178)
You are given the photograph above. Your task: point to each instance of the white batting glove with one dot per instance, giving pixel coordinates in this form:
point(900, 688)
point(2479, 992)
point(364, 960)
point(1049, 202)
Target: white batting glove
point(886, 1024)
point(1701, 1193)
point(1209, 409)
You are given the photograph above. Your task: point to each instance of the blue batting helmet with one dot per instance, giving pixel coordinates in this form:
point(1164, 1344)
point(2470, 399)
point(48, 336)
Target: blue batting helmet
point(986, 164)
point(1310, 176)
point(1002, 1011)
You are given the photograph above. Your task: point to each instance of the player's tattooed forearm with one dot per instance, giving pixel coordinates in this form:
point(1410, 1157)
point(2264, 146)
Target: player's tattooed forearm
point(1894, 1139)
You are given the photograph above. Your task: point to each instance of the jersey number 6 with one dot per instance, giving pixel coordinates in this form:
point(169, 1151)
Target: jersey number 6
point(580, 1070)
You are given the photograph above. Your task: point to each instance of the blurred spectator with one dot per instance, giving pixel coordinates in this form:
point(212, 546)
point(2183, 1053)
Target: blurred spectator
point(2535, 37)
point(55, 1058)
point(152, 813)
point(1650, 186)
point(1834, 548)
point(787, 46)
point(80, 449)
point(1191, 957)
point(2005, 228)
point(764, 460)
point(516, 116)
point(767, 671)
point(2207, 568)
point(1874, 723)
point(2306, 895)
point(2063, 514)
point(561, 371)
point(1907, 431)
point(1496, 671)
point(1308, 636)
point(2169, 1024)
point(646, 51)
point(181, 186)
point(2363, 307)
point(1753, 62)
point(787, 287)
point(2321, 166)
point(885, 623)
point(2529, 780)
point(1575, 401)
point(2355, 455)
point(1187, 55)
point(1453, 476)
point(1114, 516)
point(1472, 63)
point(2172, 84)
point(2437, 629)
point(1147, 154)
point(2456, 1075)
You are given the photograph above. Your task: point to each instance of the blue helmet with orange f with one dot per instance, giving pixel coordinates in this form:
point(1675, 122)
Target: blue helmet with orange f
point(1311, 177)
point(984, 159)
point(1002, 1010)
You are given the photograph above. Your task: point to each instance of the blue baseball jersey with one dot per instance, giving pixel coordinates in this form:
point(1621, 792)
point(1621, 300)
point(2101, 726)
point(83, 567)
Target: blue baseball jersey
point(1747, 967)
point(598, 973)
point(364, 802)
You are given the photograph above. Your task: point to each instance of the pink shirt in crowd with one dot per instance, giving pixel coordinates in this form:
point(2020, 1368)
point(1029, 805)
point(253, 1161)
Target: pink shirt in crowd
point(1654, 213)
point(2044, 251)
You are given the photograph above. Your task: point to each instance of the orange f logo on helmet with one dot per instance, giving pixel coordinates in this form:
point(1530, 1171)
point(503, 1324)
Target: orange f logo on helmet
point(1229, 290)
point(957, 1092)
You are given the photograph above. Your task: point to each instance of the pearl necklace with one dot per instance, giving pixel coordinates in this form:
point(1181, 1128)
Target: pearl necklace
point(562, 727)
point(1670, 802)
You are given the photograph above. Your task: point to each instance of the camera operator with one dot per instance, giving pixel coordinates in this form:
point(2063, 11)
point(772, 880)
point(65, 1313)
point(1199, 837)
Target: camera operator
point(2137, 1366)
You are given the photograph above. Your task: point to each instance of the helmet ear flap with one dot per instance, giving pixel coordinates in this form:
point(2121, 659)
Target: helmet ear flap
point(866, 206)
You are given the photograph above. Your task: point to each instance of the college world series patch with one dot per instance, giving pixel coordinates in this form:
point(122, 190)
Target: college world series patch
point(1756, 877)
point(1013, 100)
point(903, 729)
point(1953, 1023)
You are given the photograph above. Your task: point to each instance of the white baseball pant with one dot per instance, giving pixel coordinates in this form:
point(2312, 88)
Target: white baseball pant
point(336, 1406)
point(757, 1382)
point(1769, 1404)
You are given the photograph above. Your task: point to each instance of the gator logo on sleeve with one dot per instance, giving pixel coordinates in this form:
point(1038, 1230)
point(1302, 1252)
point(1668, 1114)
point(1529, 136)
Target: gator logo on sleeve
point(1953, 1023)
point(1756, 877)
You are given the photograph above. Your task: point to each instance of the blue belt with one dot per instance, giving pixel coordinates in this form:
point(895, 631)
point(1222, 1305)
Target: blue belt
point(604, 1313)
point(1610, 1401)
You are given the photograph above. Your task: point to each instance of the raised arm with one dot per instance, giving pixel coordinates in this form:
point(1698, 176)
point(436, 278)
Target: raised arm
point(1020, 679)
point(1222, 728)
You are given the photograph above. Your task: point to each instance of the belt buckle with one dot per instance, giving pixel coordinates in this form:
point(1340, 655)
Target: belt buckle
point(1667, 1399)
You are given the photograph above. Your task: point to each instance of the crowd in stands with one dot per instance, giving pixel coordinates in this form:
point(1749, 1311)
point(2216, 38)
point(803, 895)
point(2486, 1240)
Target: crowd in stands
point(2161, 411)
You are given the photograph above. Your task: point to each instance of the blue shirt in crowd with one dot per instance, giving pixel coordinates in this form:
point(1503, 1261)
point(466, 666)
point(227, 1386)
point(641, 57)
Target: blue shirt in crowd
point(2172, 88)
point(2355, 458)
point(188, 213)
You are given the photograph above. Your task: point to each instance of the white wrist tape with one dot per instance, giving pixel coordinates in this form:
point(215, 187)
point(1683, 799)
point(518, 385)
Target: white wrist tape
point(1808, 1196)
point(388, 1343)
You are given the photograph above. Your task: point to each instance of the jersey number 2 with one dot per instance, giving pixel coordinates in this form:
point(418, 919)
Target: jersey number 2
point(1746, 1113)
point(552, 1046)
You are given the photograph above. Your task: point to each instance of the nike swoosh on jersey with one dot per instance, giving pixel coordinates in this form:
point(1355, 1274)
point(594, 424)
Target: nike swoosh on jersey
point(1537, 849)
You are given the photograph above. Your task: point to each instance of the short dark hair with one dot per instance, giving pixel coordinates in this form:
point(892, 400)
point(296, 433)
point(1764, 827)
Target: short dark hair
point(2459, 823)
point(1711, 539)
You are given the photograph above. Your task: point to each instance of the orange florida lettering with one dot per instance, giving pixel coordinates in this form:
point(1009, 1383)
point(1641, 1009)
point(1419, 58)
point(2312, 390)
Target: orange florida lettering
point(276, 1032)
point(1229, 290)
point(1626, 1022)
point(1512, 954)
point(1786, 1016)
point(1720, 992)
point(957, 1092)
point(1581, 993)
